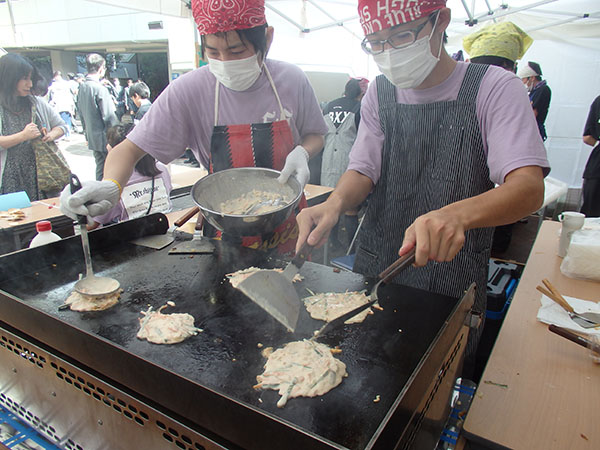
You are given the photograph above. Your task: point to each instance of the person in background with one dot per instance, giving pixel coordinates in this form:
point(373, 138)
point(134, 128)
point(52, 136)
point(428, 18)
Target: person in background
point(73, 84)
point(342, 117)
point(591, 173)
point(147, 191)
point(499, 44)
point(18, 106)
point(539, 93)
point(140, 95)
point(240, 110)
point(119, 98)
point(97, 110)
point(435, 135)
point(61, 99)
point(75, 81)
point(130, 107)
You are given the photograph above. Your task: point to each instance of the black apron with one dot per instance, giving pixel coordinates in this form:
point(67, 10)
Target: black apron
point(433, 155)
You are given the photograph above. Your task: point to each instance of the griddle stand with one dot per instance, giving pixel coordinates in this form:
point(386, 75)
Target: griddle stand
point(89, 402)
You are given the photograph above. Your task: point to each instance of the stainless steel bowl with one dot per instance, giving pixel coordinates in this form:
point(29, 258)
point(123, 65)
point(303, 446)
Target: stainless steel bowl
point(212, 190)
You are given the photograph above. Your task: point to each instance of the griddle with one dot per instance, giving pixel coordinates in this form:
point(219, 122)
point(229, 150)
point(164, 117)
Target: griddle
point(207, 380)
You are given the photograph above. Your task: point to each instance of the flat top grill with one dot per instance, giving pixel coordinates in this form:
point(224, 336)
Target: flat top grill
point(223, 361)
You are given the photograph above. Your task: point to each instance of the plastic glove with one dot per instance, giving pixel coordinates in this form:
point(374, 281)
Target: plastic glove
point(93, 199)
point(296, 164)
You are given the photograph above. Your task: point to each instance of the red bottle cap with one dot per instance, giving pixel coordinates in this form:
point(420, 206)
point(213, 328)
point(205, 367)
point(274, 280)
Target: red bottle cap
point(43, 225)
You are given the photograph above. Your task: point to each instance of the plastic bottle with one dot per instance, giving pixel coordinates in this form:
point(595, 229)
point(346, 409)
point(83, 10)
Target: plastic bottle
point(45, 234)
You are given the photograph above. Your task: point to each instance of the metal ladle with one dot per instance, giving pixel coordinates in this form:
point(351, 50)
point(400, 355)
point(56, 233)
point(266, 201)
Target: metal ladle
point(90, 285)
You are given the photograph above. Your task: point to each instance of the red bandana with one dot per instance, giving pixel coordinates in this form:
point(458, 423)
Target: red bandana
point(377, 15)
point(215, 16)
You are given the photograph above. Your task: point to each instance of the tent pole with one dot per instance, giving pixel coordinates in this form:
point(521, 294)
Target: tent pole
point(337, 22)
point(12, 20)
point(471, 21)
point(490, 10)
point(514, 10)
point(558, 22)
point(289, 19)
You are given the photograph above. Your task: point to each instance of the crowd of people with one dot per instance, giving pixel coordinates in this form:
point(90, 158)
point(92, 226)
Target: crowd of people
point(423, 145)
point(31, 108)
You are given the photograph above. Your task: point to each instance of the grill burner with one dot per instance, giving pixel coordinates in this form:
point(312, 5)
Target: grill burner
point(208, 378)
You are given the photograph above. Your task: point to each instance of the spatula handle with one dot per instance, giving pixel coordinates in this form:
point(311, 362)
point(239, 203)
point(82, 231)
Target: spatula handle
point(398, 266)
point(573, 337)
point(199, 222)
point(558, 295)
point(75, 186)
point(187, 216)
point(302, 255)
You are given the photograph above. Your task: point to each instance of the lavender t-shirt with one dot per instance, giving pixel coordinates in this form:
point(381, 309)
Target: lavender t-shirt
point(510, 135)
point(184, 114)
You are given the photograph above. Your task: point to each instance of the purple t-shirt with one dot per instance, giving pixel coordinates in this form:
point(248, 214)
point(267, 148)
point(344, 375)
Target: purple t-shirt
point(510, 135)
point(184, 113)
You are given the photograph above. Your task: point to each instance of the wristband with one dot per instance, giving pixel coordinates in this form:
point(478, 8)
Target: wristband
point(117, 183)
point(305, 153)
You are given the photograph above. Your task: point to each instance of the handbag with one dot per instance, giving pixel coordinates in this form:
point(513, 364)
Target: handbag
point(53, 172)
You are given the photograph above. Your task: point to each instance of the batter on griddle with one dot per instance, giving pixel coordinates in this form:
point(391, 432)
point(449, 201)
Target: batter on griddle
point(160, 328)
point(330, 305)
point(82, 302)
point(235, 278)
point(301, 369)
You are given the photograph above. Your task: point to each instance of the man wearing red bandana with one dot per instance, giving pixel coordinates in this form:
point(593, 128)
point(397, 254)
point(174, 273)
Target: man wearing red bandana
point(435, 136)
point(240, 110)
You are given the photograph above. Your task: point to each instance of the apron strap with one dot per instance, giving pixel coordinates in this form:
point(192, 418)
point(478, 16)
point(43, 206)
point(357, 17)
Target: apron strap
point(281, 110)
point(217, 102)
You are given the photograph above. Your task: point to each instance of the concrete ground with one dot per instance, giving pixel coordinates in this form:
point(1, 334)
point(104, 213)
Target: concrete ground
point(81, 161)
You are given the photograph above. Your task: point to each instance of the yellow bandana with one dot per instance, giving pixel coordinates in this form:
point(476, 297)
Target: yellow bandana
point(503, 39)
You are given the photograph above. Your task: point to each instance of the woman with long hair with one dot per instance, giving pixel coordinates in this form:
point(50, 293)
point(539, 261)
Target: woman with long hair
point(23, 118)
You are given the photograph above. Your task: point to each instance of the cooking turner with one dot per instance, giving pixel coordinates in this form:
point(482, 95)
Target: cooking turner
point(585, 320)
point(160, 241)
point(393, 269)
point(198, 245)
point(274, 292)
point(90, 285)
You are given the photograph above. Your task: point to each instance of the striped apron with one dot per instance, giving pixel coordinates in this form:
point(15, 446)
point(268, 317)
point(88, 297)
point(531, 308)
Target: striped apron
point(433, 155)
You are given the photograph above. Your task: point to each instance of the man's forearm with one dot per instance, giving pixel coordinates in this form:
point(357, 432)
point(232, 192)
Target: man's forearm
point(521, 194)
point(352, 189)
point(313, 144)
point(590, 140)
point(121, 160)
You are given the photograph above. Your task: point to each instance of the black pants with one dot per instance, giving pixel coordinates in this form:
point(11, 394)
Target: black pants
point(591, 197)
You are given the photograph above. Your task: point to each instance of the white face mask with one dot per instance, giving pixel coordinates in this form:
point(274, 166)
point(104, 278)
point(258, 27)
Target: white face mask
point(238, 74)
point(408, 67)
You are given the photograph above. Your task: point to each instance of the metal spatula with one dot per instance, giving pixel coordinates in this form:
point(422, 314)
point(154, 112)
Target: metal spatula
point(160, 241)
point(91, 285)
point(394, 269)
point(274, 292)
point(585, 320)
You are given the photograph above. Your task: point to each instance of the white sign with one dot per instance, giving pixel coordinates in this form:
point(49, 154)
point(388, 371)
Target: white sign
point(136, 198)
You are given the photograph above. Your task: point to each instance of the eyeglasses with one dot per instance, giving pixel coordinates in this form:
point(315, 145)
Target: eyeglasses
point(399, 40)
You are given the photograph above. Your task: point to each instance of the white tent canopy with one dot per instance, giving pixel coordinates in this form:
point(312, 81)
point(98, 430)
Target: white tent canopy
point(325, 35)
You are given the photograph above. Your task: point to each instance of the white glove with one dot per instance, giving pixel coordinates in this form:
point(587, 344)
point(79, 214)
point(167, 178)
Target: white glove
point(93, 199)
point(296, 164)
